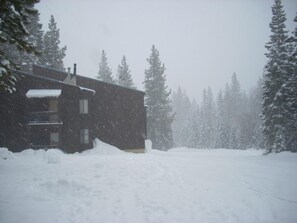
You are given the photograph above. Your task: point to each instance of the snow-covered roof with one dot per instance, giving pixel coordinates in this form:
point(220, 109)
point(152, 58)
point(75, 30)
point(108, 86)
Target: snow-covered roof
point(43, 93)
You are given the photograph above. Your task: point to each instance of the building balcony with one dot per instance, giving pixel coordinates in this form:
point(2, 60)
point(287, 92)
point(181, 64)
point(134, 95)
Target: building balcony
point(43, 118)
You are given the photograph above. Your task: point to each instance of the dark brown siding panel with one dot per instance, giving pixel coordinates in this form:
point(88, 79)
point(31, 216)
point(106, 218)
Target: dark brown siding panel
point(69, 114)
point(18, 135)
point(13, 132)
point(116, 115)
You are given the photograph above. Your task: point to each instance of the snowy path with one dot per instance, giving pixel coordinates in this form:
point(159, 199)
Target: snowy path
point(176, 186)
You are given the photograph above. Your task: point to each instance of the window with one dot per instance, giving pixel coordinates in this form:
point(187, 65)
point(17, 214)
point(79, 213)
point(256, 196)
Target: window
point(53, 105)
point(83, 106)
point(84, 136)
point(54, 138)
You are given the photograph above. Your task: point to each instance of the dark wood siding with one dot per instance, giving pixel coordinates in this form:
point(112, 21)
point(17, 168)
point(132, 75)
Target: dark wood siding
point(117, 112)
point(15, 110)
point(116, 115)
point(13, 133)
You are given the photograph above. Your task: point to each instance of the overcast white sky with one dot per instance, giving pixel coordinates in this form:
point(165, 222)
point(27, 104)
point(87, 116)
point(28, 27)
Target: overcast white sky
point(201, 42)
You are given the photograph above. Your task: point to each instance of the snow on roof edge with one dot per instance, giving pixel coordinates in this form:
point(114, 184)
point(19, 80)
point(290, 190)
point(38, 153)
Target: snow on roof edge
point(84, 77)
point(43, 93)
point(87, 89)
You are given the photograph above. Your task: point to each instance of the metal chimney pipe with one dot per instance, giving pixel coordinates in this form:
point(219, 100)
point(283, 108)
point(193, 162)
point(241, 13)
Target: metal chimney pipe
point(68, 70)
point(74, 69)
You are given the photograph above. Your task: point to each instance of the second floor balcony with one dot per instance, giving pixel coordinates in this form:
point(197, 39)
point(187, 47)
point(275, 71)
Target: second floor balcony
point(43, 118)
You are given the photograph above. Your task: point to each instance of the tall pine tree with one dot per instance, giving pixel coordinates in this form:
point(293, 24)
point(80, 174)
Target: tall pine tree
point(36, 38)
point(159, 112)
point(52, 53)
point(105, 73)
point(255, 104)
point(236, 101)
point(289, 95)
point(22, 59)
point(222, 128)
point(193, 131)
point(233, 124)
point(182, 109)
point(14, 16)
point(207, 124)
point(124, 75)
point(273, 113)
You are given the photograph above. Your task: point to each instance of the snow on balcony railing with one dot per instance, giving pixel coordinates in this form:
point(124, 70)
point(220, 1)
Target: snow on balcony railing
point(44, 123)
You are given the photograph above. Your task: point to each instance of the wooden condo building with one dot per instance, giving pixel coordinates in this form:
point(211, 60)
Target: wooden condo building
point(55, 109)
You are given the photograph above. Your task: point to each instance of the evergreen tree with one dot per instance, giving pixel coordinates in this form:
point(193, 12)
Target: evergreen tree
point(22, 59)
point(193, 130)
point(177, 101)
point(13, 18)
point(245, 131)
point(234, 124)
point(159, 112)
point(182, 108)
point(12, 53)
point(222, 130)
point(255, 105)
point(228, 115)
point(203, 125)
point(36, 38)
point(124, 76)
point(273, 113)
point(227, 105)
point(233, 118)
point(234, 138)
point(236, 101)
point(52, 54)
point(211, 118)
point(288, 93)
point(207, 136)
point(244, 126)
point(105, 73)
point(292, 95)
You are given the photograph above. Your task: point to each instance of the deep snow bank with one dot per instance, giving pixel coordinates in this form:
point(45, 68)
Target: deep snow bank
point(181, 185)
point(50, 156)
point(101, 148)
point(55, 155)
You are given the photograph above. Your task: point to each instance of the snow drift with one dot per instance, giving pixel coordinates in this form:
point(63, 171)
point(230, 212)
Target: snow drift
point(181, 185)
point(101, 148)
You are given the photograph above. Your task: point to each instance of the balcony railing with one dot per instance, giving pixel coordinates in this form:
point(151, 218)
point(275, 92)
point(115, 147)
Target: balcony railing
point(43, 117)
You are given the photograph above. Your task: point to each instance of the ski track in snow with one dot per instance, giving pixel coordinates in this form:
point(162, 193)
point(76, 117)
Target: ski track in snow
point(182, 185)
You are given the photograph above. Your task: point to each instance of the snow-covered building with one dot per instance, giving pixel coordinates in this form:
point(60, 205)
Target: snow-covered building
point(53, 108)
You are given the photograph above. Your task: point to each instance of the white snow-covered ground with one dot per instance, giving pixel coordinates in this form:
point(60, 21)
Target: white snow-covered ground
point(181, 185)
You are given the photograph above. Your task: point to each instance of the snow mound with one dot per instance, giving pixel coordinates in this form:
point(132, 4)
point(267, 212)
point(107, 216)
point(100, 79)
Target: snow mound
point(101, 148)
point(148, 146)
point(53, 156)
point(5, 153)
point(30, 152)
point(189, 185)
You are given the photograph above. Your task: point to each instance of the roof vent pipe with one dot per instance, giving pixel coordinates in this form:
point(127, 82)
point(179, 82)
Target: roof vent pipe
point(68, 68)
point(74, 69)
